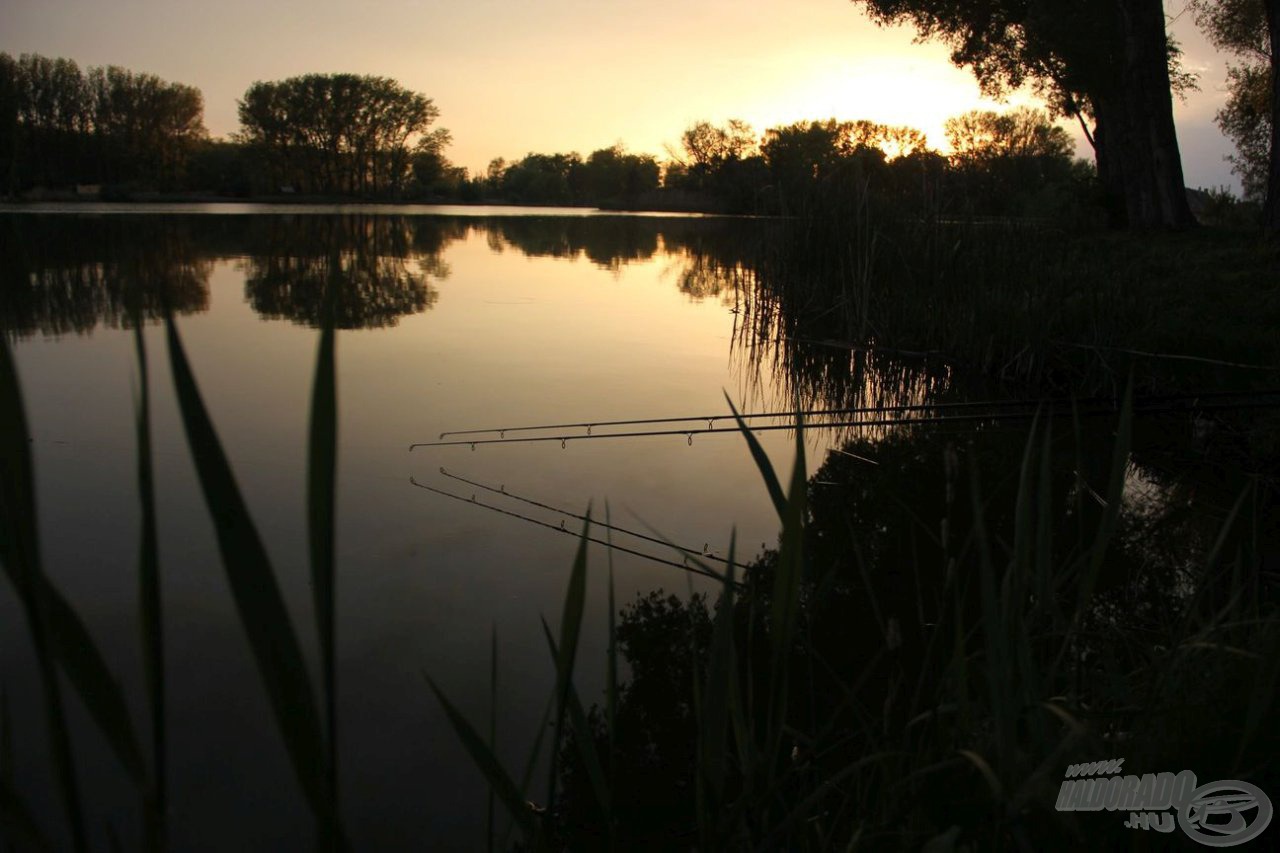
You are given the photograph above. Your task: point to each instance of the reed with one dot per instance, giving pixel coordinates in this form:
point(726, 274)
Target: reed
point(956, 725)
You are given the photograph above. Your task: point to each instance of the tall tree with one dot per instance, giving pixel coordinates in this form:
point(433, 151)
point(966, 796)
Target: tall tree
point(103, 125)
point(1105, 61)
point(1271, 210)
point(810, 161)
point(336, 132)
point(981, 135)
point(1250, 29)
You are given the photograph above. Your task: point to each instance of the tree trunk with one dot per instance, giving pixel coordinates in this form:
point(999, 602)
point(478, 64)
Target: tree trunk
point(1155, 192)
point(1106, 151)
point(1271, 208)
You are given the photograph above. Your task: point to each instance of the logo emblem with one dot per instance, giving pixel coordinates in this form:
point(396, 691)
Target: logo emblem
point(1225, 813)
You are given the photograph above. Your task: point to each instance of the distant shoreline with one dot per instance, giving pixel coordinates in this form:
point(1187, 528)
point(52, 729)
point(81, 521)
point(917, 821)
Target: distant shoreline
point(71, 197)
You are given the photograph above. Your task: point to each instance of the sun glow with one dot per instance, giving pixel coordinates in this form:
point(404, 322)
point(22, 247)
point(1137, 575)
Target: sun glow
point(890, 90)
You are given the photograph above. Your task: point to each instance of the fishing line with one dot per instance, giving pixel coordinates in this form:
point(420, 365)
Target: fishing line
point(708, 573)
point(503, 491)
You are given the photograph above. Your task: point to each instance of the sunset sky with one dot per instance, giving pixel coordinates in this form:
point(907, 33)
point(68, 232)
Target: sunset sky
point(512, 77)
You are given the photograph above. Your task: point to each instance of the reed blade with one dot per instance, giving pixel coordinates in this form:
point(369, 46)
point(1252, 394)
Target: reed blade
point(484, 758)
point(20, 553)
point(254, 588)
point(321, 519)
point(17, 824)
point(149, 601)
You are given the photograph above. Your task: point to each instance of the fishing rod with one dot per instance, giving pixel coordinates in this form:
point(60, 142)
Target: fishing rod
point(745, 416)
point(877, 422)
point(907, 407)
point(502, 490)
point(705, 572)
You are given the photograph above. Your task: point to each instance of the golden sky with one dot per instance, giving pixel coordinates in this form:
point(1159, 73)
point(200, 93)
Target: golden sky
point(512, 77)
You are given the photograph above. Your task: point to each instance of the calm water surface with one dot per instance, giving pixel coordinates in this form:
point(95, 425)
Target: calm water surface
point(447, 322)
point(455, 319)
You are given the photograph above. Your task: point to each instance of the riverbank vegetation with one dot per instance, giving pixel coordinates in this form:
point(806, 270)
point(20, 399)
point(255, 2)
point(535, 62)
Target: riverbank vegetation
point(950, 615)
point(112, 133)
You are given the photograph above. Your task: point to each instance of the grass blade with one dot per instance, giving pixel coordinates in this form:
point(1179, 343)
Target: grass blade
point(570, 628)
point(714, 728)
point(149, 602)
point(531, 763)
point(87, 670)
point(493, 728)
point(499, 781)
point(762, 462)
point(6, 740)
point(585, 741)
point(20, 552)
point(321, 499)
point(999, 676)
point(253, 586)
point(611, 677)
point(785, 598)
point(1115, 493)
point(17, 825)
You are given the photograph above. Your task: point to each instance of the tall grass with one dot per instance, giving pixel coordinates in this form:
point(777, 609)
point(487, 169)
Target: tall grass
point(955, 727)
point(307, 727)
point(1035, 301)
point(951, 731)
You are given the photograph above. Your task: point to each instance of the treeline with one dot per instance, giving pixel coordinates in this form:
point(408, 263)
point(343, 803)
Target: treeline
point(608, 176)
point(62, 126)
point(1014, 164)
point(369, 137)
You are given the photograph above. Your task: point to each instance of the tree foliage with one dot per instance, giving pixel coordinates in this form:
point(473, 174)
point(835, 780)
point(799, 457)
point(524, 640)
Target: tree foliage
point(809, 161)
point(62, 126)
point(335, 133)
point(1105, 61)
point(608, 176)
point(1240, 28)
point(982, 135)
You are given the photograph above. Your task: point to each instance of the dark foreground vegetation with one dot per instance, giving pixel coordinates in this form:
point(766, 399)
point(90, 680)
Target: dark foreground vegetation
point(950, 617)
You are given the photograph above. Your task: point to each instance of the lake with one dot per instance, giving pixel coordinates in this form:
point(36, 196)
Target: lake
point(456, 319)
point(491, 318)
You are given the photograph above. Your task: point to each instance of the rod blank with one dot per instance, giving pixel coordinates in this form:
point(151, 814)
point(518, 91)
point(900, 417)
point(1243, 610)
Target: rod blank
point(1142, 408)
point(999, 405)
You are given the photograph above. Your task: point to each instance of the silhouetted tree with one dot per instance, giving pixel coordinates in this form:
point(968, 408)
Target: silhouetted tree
point(339, 133)
point(107, 125)
point(809, 160)
point(611, 175)
point(144, 126)
point(220, 166)
point(1002, 161)
point(1249, 29)
point(1104, 60)
point(432, 171)
point(8, 124)
point(539, 178)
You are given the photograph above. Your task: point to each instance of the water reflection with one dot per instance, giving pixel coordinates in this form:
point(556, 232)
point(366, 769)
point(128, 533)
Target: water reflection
point(384, 267)
point(61, 275)
point(424, 577)
point(70, 274)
